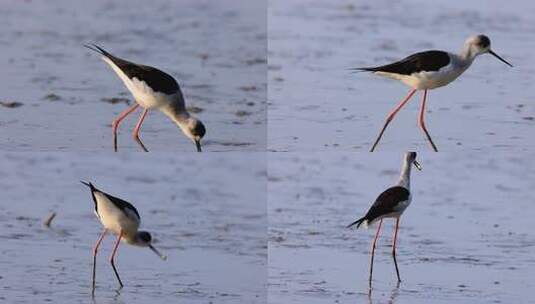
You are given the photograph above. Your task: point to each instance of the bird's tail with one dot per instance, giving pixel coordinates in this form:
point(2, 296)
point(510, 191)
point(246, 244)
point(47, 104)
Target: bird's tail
point(97, 49)
point(357, 70)
point(357, 222)
point(93, 190)
point(89, 184)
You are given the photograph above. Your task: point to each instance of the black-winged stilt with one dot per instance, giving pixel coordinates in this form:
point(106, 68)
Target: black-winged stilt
point(430, 70)
point(152, 89)
point(390, 204)
point(120, 218)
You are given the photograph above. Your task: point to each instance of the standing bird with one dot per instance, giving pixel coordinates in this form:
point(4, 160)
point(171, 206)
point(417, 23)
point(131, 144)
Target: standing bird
point(152, 89)
point(120, 218)
point(390, 204)
point(430, 70)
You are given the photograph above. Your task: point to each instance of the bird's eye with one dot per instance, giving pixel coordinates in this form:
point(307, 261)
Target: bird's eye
point(483, 41)
point(145, 237)
point(199, 130)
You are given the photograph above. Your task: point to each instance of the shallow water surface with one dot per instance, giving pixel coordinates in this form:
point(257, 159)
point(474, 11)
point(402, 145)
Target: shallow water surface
point(467, 237)
point(212, 228)
point(68, 97)
point(316, 104)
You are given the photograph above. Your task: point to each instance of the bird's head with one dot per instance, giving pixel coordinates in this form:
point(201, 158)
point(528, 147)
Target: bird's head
point(480, 44)
point(144, 239)
point(410, 158)
point(194, 129)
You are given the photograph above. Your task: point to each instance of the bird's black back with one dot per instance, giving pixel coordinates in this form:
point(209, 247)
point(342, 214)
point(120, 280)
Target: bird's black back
point(158, 80)
point(424, 61)
point(121, 204)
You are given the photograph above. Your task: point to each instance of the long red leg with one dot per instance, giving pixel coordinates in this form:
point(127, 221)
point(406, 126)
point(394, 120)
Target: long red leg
point(117, 121)
point(135, 134)
point(112, 257)
point(373, 248)
point(95, 250)
point(421, 122)
point(391, 116)
point(394, 248)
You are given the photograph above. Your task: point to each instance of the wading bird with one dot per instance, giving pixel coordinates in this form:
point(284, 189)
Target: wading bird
point(152, 89)
point(429, 70)
point(390, 204)
point(121, 218)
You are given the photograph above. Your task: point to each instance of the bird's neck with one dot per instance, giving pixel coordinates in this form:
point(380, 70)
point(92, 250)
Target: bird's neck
point(467, 56)
point(175, 108)
point(134, 239)
point(130, 239)
point(405, 175)
point(178, 114)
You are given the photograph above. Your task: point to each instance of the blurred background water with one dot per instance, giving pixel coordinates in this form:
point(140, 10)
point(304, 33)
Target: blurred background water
point(316, 104)
point(63, 97)
point(467, 237)
point(207, 213)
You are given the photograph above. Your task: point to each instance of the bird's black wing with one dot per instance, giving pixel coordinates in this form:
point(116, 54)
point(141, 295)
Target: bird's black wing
point(387, 202)
point(424, 61)
point(119, 203)
point(158, 80)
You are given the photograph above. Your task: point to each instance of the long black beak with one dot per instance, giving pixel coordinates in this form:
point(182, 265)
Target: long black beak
point(163, 257)
point(198, 144)
point(417, 165)
point(500, 58)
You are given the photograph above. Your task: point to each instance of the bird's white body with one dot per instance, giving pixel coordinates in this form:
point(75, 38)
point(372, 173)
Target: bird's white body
point(121, 218)
point(430, 70)
point(458, 63)
point(433, 79)
point(399, 208)
point(390, 204)
point(143, 94)
point(115, 219)
point(151, 89)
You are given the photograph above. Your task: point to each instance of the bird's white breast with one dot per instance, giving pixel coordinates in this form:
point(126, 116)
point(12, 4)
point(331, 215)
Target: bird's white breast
point(115, 219)
point(401, 206)
point(433, 80)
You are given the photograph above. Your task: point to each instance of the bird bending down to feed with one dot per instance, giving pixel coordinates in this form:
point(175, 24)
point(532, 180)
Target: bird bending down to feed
point(152, 89)
point(429, 70)
point(390, 204)
point(121, 218)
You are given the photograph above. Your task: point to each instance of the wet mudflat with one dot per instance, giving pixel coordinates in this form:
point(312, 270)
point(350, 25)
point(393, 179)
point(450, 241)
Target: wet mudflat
point(211, 227)
point(316, 104)
point(467, 237)
point(58, 95)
